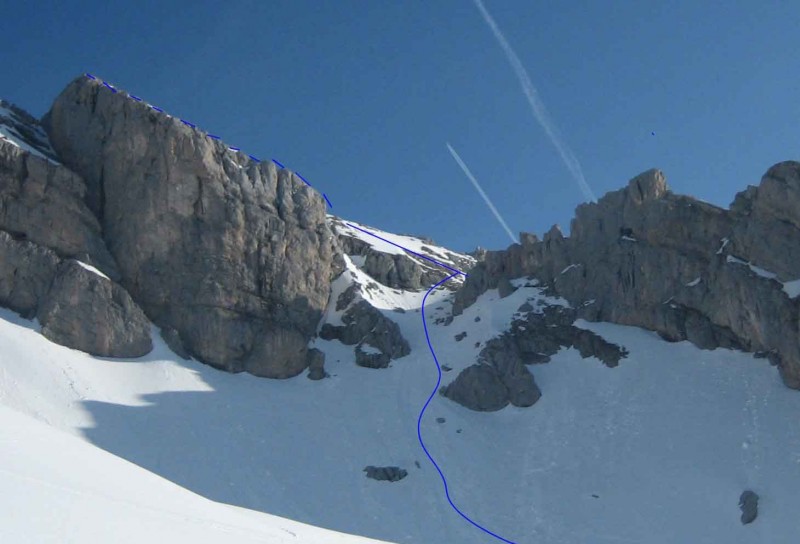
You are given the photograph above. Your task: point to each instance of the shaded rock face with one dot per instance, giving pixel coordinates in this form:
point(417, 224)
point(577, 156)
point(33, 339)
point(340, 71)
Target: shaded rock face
point(76, 308)
point(88, 312)
point(174, 342)
point(501, 377)
point(233, 254)
point(643, 256)
point(26, 272)
point(478, 387)
point(43, 202)
point(365, 324)
point(386, 474)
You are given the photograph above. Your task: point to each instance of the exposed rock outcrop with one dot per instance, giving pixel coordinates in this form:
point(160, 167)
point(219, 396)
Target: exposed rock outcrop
point(386, 474)
point(377, 338)
point(26, 273)
point(233, 254)
point(316, 368)
point(644, 256)
point(501, 377)
point(43, 202)
point(86, 311)
point(76, 307)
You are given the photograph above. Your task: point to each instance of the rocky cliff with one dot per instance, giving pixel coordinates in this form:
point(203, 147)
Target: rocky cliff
point(691, 271)
point(233, 254)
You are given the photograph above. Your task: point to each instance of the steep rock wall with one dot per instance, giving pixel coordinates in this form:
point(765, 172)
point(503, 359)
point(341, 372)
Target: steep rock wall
point(233, 254)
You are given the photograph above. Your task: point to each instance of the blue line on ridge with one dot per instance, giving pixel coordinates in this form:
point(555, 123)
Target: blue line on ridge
point(279, 164)
point(326, 200)
point(304, 179)
point(406, 249)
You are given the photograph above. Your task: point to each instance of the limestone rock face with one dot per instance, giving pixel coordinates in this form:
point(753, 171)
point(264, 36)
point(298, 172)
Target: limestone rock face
point(233, 254)
point(85, 311)
point(643, 256)
point(43, 202)
point(76, 307)
point(26, 272)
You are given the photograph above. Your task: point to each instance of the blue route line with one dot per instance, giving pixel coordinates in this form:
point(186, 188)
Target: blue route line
point(430, 398)
point(455, 273)
point(438, 380)
point(406, 249)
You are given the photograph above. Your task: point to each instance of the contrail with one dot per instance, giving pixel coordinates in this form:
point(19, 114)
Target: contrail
point(537, 106)
point(480, 191)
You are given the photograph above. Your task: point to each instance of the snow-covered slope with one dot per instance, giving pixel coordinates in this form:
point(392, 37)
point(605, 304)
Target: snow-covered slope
point(656, 450)
point(57, 488)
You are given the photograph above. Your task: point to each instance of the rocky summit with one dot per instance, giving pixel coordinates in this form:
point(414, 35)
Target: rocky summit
point(669, 263)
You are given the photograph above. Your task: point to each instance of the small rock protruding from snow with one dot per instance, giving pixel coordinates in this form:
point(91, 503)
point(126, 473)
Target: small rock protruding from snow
point(386, 474)
point(748, 503)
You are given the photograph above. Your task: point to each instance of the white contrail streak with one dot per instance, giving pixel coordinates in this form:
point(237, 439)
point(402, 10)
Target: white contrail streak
point(537, 106)
point(482, 193)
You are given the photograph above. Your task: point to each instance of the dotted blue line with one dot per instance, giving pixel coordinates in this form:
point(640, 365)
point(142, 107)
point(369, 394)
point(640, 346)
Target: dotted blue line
point(192, 125)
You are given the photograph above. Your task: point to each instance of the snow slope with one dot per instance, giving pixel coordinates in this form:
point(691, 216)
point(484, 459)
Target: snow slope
point(57, 488)
point(654, 451)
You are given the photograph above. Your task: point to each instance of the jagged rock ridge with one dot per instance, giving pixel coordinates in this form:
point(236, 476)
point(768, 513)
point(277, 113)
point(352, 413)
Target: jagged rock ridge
point(644, 256)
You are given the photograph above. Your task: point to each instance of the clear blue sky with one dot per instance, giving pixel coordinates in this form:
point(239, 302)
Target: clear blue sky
point(360, 97)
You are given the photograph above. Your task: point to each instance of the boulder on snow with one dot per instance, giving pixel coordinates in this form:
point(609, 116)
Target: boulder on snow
point(369, 357)
point(387, 474)
point(316, 365)
point(478, 388)
point(748, 504)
